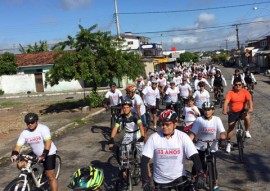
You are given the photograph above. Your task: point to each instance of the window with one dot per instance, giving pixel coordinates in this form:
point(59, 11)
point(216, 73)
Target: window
point(130, 42)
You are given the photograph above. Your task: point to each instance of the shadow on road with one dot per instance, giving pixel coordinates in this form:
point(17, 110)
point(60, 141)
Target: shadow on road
point(60, 107)
point(105, 131)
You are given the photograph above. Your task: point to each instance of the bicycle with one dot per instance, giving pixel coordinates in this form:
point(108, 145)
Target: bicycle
point(240, 138)
point(209, 162)
point(32, 175)
point(219, 97)
point(115, 111)
point(129, 165)
point(148, 117)
point(249, 88)
point(177, 107)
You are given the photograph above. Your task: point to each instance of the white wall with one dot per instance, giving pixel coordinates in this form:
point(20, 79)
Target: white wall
point(21, 83)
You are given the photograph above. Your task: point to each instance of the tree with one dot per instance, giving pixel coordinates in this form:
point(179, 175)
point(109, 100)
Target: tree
point(41, 47)
point(188, 57)
point(93, 58)
point(8, 64)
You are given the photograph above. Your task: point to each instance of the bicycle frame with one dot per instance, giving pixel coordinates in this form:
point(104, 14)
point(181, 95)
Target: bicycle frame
point(240, 137)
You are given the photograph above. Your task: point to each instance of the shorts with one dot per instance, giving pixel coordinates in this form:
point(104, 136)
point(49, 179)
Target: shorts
point(49, 163)
point(234, 116)
point(153, 109)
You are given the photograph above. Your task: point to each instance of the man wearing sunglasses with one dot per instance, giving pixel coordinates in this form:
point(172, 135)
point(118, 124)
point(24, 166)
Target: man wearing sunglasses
point(169, 148)
point(239, 101)
point(38, 136)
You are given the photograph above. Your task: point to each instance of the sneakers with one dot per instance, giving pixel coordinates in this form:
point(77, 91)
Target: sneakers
point(228, 148)
point(216, 188)
point(248, 135)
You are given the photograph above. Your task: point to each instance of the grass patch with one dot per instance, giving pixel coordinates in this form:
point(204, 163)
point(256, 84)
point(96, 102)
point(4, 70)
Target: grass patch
point(10, 104)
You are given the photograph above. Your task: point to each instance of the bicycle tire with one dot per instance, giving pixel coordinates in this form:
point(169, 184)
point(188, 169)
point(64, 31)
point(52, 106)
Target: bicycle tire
point(17, 185)
point(210, 176)
point(112, 121)
point(148, 119)
point(240, 146)
point(130, 182)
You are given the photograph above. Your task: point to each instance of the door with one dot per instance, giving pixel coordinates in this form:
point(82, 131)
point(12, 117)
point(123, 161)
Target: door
point(39, 82)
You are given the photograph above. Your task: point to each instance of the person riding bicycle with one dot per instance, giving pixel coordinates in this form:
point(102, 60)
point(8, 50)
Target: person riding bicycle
point(38, 136)
point(237, 76)
point(113, 97)
point(201, 96)
point(133, 128)
point(172, 97)
point(185, 91)
point(151, 97)
point(170, 79)
point(87, 178)
point(218, 82)
point(177, 78)
point(152, 77)
point(140, 85)
point(240, 105)
point(201, 79)
point(162, 82)
point(208, 127)
point(190, 114)
point(138, 105)
point(249, 79)
point(169, 148)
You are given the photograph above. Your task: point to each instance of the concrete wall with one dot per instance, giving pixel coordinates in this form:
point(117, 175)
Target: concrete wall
point(21, 83)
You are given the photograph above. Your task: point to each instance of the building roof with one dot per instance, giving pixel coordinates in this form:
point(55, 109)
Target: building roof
point(35, 59)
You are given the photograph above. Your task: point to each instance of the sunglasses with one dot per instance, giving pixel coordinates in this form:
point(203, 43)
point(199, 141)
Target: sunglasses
point(167, 124)
point(31, 123)
point(237, 84)
point(201, 86)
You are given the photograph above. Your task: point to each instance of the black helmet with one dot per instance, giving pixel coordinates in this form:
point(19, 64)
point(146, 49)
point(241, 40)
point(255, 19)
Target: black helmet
point(208, 105)
point(30, 118)
point(201, 83)
point(127, 102)
point(168, 115)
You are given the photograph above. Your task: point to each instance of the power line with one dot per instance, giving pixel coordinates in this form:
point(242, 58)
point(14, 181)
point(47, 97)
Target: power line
point(193, 10)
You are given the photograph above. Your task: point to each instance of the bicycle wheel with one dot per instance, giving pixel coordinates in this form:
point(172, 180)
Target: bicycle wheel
point(112, 121)
point(129, 181)
point(58, 166)
point(17, 185)
point(240, 145)
point(210, 176)
point(148, 119)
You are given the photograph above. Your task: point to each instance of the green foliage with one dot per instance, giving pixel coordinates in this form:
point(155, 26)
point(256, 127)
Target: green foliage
point(95, 59)
point(41, 47)
point(1, 92)
point(188, 57)
point(8, 64)
point(94, 99)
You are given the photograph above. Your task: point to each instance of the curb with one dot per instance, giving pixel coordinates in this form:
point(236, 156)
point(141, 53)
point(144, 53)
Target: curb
point(60, 130)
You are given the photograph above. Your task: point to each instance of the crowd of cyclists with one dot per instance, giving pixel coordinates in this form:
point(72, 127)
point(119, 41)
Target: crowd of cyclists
point(163, 93)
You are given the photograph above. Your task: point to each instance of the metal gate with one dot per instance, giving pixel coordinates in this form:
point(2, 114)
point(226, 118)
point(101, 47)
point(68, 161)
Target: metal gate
point(39, 82)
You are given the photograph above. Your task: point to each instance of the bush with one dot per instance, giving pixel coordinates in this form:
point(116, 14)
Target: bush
point(1, 92)
point(94, 99)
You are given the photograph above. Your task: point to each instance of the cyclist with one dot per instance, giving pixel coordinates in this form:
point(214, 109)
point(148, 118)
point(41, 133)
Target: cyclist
point(201, 96)
point(172, 95)
point(240, 105)
point(87, 178)
point(218, 82)
point(138, 105)
point(38, 136)
point(161, 83)
point(152, 77)
point(249, 79)
point(208, 127)
point(113, 97)
point(191, 112)
point(201, 79)
point(133, 128)
point(177, 78)
point(140, 85)
point(169, 148)
point(237, 76)
point(151, 98)
point(170, 79)
point(185, 91)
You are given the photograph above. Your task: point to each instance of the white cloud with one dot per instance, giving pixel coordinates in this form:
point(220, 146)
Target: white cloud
point(205, 19)
point(74, 4)
point(184, 40)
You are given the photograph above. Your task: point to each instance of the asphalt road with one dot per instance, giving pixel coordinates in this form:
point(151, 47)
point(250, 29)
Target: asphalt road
point(87, 145)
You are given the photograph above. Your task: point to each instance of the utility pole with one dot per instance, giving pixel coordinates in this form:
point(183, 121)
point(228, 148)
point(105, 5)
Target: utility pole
point(226, 44)
point(116, 19)
point(237, 36)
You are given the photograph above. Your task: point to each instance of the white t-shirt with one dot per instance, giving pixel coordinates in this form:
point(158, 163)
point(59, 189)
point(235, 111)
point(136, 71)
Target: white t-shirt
point(184, 90)
point(178, 80)
point(139, 85)
point(196, 87)
point(201, 97)
point(150, 95)
point(172, 94)
point(169, 155)
point(137, 100)
point(114, 97)
point(207, 130)
point(190, 115)
point(162, 82)
point(36, 139)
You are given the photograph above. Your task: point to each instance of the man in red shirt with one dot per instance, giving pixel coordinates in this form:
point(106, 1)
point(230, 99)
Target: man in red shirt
point(239, 101)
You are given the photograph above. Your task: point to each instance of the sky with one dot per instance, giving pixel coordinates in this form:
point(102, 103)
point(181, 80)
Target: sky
point(189, 25)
